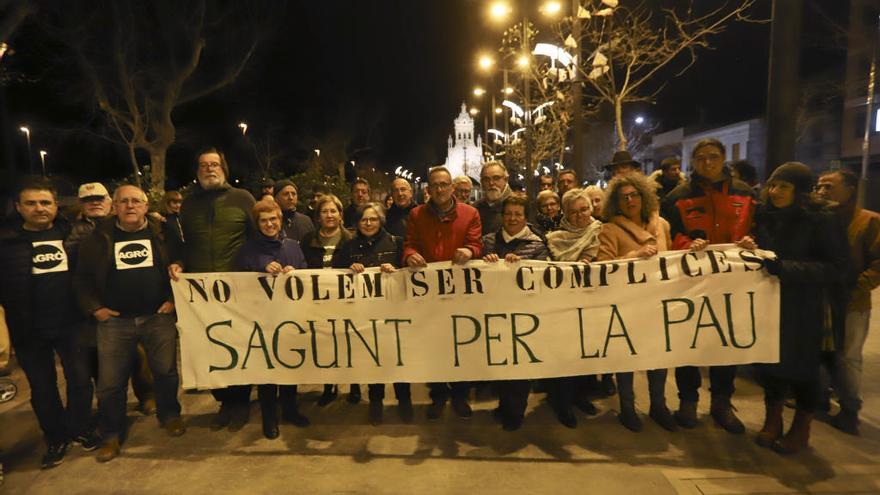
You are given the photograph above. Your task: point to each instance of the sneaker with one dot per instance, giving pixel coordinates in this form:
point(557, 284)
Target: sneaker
point(55, 454)
point(462, 408)
point(174, 427)
point(405, 410)
point(109, 451)
point(435, 410)
point(88, 440)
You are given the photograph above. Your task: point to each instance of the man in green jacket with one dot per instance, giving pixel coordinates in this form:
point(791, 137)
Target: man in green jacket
point(216, 220)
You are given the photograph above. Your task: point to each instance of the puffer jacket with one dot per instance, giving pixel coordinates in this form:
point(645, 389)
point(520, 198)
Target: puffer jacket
point(369, 251)
point(531, 247)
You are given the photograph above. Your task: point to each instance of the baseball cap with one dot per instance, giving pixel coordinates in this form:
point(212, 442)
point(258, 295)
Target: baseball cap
point(92, 189)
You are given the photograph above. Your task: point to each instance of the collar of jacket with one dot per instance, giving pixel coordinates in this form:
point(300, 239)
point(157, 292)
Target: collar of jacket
point(704, 182)
point(448, 216)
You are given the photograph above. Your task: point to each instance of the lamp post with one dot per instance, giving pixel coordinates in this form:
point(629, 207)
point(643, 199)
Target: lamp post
point(27, 133)
point(243, 126)
point(43, 154)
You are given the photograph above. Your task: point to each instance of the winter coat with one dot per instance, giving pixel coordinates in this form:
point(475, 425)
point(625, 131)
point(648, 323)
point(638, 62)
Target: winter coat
point(369, 251)
point(812, 256)
point(314, 251)
point(259, 251)
point(621, 237)
point(490, 215)
point(436, 236)
point(296, 225)
point(395, 219)
point(720, 213)
point(215, 224)
point(863, 233)
point(16, 255)
point(531, 247)
point(547, 224)
point(96, 257)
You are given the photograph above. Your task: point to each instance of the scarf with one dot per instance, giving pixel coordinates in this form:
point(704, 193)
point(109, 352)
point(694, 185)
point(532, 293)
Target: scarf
point(574, 244)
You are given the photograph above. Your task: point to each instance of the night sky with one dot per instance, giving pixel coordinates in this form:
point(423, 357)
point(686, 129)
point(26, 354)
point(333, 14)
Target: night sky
point(390, 74)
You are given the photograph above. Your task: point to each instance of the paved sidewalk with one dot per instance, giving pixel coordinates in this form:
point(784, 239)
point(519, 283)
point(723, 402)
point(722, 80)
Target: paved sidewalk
point(341, 453)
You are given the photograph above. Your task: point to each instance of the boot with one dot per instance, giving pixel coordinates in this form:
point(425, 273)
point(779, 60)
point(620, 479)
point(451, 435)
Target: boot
point(686, 416)
point(772, 429)
point(628, 417)
point(722, 412)
point(269, 412)
point(376, 407)
point(354, 394)
point(846, 421)
point(798, 436)
point(222, 418)
point(661, 415)
point(405, 410)
point(328, 396)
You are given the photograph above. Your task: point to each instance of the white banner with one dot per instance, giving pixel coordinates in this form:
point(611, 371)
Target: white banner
point(479, 321)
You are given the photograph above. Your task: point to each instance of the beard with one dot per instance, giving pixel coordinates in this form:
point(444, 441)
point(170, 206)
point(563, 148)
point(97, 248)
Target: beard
point(209, 183)
point(493, 194)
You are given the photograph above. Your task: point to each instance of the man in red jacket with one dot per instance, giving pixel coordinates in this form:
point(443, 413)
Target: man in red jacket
point(709, 208)
point(442, 230)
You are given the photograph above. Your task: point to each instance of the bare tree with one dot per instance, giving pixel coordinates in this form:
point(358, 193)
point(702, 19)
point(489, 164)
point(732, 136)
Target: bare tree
point(629, 46)
point(142, 60)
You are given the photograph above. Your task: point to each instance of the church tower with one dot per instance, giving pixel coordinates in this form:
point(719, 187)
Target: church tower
point(464, 154)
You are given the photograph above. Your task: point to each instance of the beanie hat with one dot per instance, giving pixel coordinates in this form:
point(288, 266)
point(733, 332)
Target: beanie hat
point(795, 173)
point(281, 184)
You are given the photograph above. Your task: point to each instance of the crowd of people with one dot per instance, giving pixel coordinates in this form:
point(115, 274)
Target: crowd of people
point(106, 275)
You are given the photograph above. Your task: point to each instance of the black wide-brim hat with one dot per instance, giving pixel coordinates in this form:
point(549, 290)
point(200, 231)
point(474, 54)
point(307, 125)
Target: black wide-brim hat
point(622, 158)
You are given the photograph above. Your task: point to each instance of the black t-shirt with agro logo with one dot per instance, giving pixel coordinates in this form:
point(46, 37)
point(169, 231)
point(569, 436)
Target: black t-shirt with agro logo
point(137, 284)
point(52, 302)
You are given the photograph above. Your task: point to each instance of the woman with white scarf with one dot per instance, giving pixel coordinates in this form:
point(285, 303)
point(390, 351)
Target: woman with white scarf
point(576, 240)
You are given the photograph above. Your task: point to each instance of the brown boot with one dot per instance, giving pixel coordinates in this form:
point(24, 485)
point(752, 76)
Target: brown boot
point(772, 429)
point(798, 436)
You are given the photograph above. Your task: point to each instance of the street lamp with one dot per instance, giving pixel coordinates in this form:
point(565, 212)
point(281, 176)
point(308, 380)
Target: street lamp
point(243, 126)
point(317, 152)
point(639, 120)
point(27, 133)
point(479, 91)
point(43, 154)
point(485, 62)
point(499, 10)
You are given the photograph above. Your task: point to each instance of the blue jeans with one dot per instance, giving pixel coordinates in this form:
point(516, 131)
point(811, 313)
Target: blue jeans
point(117, 342)
point(848, 375)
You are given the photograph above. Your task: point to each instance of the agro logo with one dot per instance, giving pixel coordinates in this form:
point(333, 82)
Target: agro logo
point(133, 254)
point(49, 256)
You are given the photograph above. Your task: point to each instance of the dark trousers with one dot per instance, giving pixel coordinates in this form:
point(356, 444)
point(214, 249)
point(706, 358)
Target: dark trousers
point(141, 376)
point(561, 392)
point(688, 381)
point(440, 392)
point(235, 395)
point(117, 343)
point(806, 393)
point(270, 394)
point(401, 392)
point(37, 359)
point(513, 397)
point(656, 387)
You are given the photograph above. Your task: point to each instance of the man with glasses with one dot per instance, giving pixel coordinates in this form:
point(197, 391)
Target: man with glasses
point(216, 220)
point(402, 194)
point(122, 281)
point(462, 188)
point(710, 207)
point(443, 229)
point(37, 292)
point(863, 233)
point(493, 180)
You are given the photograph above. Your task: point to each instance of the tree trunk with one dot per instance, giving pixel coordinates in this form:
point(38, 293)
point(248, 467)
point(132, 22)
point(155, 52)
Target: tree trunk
point(134, 165)
point(618, 124)
point(157, 169)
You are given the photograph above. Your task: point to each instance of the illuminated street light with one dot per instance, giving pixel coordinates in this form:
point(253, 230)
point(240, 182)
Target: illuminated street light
point(317, 152)
point(27, 133)
point(479, 91)
point(473, 111)
point(551, 8)
point(499, 10)
point(243, 126)
point(639, 120)
point(43, 154)
point(522, 61)
point(508, 90)
point(498, 110)
point(486, 62)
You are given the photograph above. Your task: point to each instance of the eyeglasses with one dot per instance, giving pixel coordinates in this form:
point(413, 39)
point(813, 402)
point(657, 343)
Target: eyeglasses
point(584, 211)
point(712, 157)
point(492, 178)
point(131, 201)
point(369, 220)
point(440, 185)
point(632, 195)
point(208, 165)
